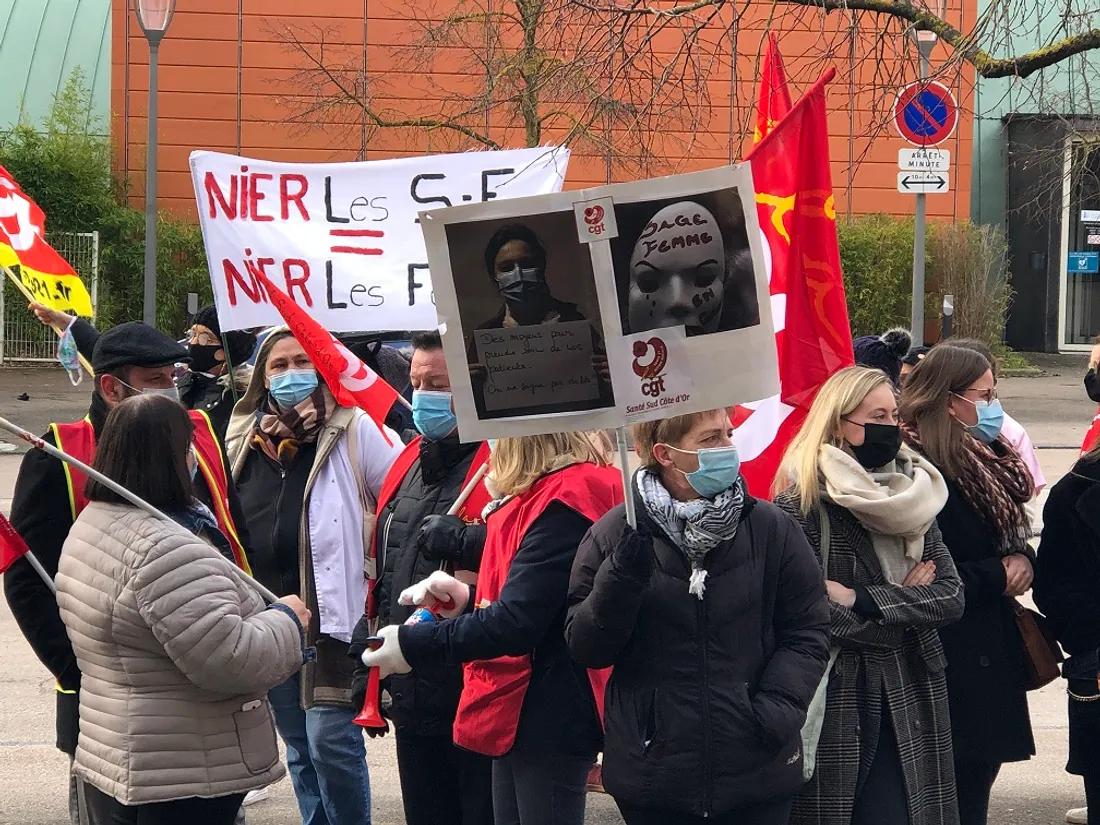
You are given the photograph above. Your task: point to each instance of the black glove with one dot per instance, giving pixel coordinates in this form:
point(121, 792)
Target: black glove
point(634, 555)
point(441, 538)
point(358, 645)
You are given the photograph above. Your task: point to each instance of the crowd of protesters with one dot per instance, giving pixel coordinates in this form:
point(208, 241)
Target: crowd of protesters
point(849, 652)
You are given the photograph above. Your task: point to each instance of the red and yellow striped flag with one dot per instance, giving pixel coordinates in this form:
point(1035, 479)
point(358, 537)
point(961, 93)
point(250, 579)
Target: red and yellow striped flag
point(44, 274)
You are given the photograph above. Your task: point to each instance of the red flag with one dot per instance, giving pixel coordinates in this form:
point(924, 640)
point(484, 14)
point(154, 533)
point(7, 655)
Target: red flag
point(12, 546)
point(774, 101)
point(352, 382)
point(794, 196)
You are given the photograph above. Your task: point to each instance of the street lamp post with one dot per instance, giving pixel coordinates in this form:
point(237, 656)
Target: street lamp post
point(153, 16)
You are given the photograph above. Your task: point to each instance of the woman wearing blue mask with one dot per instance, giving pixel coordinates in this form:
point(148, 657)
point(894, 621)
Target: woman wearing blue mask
point(309, 472)
point(713, 612)
point(950, 414)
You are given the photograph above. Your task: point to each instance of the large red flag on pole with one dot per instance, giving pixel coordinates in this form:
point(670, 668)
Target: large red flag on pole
point(774, 100)
point(794, 194)
point(352, 382)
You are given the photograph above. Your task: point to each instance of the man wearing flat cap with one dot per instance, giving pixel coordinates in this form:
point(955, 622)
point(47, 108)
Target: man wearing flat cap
point(130, 359)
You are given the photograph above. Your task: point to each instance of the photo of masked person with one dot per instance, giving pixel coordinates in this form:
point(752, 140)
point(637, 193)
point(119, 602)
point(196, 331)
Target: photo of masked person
point(538, 274)
point(685, 261)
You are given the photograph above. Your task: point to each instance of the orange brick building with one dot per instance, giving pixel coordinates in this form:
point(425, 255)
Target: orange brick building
point(225, 70)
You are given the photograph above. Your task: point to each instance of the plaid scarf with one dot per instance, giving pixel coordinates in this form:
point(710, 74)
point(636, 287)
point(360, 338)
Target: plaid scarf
point(696, 526)
point(280, 432)
point(996, 483)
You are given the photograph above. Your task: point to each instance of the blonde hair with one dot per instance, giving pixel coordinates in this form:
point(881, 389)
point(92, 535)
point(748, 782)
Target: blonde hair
point(838, 397)
point(517, 463)
point(662, 431)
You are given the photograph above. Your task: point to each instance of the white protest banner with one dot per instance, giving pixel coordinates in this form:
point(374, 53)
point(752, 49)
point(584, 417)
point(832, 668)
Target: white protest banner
point(343, 239)
point(666, 276)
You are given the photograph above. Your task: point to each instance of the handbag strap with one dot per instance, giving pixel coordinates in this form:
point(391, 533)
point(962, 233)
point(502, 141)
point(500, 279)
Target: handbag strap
point(825, 537)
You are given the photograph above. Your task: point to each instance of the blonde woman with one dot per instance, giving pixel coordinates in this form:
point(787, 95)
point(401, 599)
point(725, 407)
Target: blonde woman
point(712, 612)
point(884, 756)
point(524, 702)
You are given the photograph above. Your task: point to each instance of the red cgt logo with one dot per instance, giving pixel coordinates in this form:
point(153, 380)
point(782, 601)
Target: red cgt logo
point(656, 365)
point(593, 215)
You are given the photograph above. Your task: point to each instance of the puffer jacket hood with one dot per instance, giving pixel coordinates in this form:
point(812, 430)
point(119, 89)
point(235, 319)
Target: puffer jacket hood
point(177, 654)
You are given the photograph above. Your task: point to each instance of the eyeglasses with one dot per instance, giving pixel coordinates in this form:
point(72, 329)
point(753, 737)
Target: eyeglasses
point(203, 338)
point(988, 396)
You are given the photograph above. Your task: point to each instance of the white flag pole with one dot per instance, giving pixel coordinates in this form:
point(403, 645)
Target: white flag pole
point(137, 501)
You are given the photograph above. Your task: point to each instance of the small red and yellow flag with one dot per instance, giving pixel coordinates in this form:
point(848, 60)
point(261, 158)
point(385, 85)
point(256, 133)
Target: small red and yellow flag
point(774, 99)
point(44, 274)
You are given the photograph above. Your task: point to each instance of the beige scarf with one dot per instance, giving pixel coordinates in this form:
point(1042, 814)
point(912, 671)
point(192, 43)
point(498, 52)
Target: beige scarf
point(896, 504)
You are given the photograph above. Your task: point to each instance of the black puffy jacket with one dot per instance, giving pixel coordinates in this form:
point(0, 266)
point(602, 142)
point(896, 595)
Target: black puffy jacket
point(708, 697)
point(425, 701)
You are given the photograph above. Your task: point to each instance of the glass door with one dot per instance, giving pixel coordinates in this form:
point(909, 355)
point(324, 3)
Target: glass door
point(1082, 234)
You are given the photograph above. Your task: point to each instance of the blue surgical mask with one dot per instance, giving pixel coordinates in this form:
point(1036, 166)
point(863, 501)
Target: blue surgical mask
point(991, 417)
point(194, 464)
point(432, 414)
point(718, 469)
point(292, 387)
point(492, 444)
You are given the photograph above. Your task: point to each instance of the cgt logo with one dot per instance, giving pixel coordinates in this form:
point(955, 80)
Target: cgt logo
point(593, 217)
point(650, 358)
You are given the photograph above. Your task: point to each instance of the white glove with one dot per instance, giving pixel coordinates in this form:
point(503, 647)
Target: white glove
point(388, 658)
point(438, 587)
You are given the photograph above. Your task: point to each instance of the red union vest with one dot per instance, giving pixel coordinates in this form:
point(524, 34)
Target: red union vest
point(1093, 434)
point(78, 440)
point(493, 690)
point(470, 512)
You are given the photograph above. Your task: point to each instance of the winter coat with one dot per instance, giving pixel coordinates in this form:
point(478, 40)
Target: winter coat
point(1067, 570)
point(558, 714)
point(890, 662)
point(177, 653)
point(985, 655)
point(214, 396)
point(41, 512)
point(708, 696)
point(313, 517)
point(424, 701)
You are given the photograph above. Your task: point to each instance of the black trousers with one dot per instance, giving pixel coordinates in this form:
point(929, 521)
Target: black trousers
point(974, 781)
point(882, 799)
point(766, 813)
point(442, 784)
point(102, 809)
point(534, 788)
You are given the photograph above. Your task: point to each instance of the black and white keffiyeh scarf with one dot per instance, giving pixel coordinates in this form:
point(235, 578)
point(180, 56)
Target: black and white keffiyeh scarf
point(696, 526)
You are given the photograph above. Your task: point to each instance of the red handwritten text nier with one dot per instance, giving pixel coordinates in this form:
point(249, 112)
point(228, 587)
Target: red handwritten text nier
point(249, 196)
point(241, 282)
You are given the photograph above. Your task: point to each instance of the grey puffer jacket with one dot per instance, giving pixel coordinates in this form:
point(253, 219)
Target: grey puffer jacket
point(177, 655)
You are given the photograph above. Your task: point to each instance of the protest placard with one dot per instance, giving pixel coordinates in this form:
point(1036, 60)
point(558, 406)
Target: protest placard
point(342, 239)
point(666, 275)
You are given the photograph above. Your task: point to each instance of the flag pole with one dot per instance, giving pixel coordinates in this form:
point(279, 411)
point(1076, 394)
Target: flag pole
point(136, 500)
point(40, 570)
point(60, 332)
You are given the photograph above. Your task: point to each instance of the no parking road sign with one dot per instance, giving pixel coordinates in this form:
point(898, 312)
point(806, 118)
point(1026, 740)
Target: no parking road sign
point(926, 113)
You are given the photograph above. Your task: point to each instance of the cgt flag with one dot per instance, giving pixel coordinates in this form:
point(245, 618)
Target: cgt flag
point(774, 100)
point(794, 188)
point(44, 274)
point(352, 382)
point(12, 546)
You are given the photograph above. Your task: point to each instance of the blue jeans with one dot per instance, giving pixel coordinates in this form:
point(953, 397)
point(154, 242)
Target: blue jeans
point(326, 757)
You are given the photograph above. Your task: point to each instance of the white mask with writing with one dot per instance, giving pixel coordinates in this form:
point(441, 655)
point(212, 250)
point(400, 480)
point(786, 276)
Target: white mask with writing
point(677, 271)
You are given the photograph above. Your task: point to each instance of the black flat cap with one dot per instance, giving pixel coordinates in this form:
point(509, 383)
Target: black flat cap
point(135, 344)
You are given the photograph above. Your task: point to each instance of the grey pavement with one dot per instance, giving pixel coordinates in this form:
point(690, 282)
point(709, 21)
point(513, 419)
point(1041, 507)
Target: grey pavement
point(1053, 407)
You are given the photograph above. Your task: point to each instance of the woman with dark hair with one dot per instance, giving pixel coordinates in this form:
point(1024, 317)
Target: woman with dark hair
point(175, 648)
point(309, 472)
point(950, 414)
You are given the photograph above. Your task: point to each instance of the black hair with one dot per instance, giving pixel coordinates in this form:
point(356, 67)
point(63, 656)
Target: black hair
point(429, 341)
point(143, 447)
point(513, 232)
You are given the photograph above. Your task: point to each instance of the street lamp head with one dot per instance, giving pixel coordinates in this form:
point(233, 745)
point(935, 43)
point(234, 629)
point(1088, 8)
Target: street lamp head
point(154, 17)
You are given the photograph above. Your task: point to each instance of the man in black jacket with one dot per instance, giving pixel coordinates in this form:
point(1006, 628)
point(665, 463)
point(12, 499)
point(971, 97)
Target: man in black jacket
point(413, 536)
point(130, 359)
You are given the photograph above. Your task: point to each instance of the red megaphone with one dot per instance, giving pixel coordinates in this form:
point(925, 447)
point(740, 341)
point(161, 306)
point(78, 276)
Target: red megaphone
point(371, 714)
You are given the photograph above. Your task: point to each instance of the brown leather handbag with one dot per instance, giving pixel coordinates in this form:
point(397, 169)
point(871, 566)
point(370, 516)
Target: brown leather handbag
point(1042, 655)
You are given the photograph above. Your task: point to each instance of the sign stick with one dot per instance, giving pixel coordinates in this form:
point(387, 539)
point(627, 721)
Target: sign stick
point(137, 501)
point(60, 332)
point(628, 493)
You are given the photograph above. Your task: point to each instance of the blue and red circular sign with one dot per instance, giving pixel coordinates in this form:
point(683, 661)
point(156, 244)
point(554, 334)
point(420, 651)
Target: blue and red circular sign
point(926, 113)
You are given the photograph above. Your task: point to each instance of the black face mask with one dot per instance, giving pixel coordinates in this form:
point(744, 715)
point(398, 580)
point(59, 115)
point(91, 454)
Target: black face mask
point(202, 357)
point(880, 446)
